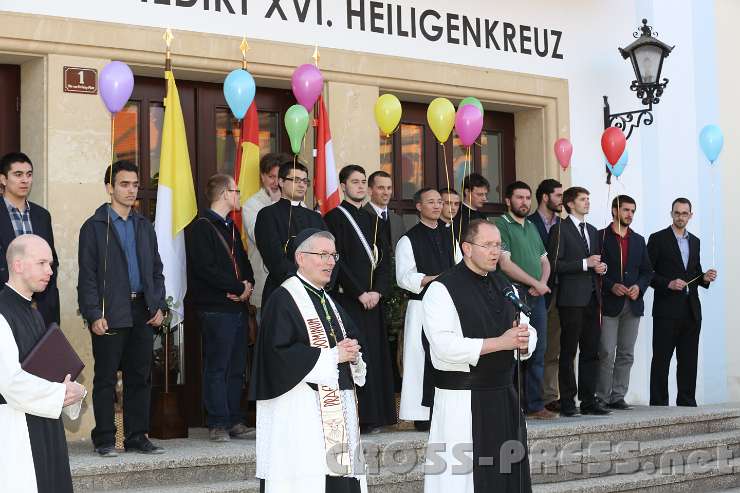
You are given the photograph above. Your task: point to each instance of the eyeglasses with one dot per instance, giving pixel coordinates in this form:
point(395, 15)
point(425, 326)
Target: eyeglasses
point(238, 192)
point(325, 256)
point(305, 181)
point(491, 247)
point(681, 214)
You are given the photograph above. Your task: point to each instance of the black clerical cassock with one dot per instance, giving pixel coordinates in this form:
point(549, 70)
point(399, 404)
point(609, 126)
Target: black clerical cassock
point(276, 224)
point(285, 383)
point(35, 456)
point(474, 399)
point(422, 251)
point(465, 215)
point(356, 276)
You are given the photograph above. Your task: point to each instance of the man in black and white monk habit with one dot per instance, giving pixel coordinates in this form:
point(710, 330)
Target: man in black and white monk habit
point(306, 364)
point(35, 457)
point(473, 332)
point(422, 254)
point(364, 277)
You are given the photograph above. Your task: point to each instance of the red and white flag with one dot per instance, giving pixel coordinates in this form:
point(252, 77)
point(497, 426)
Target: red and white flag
point(325, 173)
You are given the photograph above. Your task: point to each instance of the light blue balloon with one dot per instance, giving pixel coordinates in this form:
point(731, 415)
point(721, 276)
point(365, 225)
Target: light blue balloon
point(239, 89)
point(711, 141)
point(618, 168)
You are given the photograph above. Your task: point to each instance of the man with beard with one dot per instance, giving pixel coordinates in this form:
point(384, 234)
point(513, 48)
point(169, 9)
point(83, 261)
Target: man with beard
point(268, 194)
point(550, 205)
point(307, 363)
point(422, 254)
point(524, 261)
point(362, 280)
point(627, 277)
point(475, 193)
point(473, 332)
point(277, 223)
point(675, 254)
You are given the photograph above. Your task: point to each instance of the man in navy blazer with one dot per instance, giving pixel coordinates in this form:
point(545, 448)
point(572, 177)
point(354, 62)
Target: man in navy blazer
point(628, 275)
point(676, 307)
point(20, 216)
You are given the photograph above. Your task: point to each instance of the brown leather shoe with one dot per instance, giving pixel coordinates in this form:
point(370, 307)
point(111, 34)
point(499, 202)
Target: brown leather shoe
point(553, 406)
point(542, 414)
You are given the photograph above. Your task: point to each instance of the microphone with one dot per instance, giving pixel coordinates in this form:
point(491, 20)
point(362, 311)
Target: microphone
point(510, 295)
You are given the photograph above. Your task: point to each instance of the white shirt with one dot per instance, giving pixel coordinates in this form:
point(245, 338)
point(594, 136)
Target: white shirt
point(379, 211)
point(577, 222)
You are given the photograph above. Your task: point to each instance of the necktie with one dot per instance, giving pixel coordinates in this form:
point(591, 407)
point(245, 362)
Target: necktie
point(384, 216)
point(582, 226)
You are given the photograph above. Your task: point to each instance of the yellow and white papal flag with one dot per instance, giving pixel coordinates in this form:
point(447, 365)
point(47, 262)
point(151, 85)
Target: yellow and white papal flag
point(176, 204)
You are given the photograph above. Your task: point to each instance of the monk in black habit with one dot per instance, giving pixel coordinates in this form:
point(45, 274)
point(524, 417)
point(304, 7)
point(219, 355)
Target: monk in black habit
point(279, 222)
point(363, 278)
point(473, 331)
point(305, 386)
point(35, 458)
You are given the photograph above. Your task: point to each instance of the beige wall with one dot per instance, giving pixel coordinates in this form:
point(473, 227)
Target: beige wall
point(727, 76)
point(68, 135)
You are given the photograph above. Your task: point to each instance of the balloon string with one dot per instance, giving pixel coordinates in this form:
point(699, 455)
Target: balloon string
point(290, 206)
point(449, 200)
point(107, 226)
point(711, 202)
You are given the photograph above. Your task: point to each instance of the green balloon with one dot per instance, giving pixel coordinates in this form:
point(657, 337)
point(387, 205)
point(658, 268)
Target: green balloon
point(296, 123)
point(471, 100)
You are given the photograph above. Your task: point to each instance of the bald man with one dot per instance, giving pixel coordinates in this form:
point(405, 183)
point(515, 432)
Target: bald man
point(31, 407)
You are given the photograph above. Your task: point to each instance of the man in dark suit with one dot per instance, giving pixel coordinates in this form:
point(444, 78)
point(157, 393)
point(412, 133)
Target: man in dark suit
point(380, 187)
point(574, 256)
point(674, 253)
point(19, 216)
point(474, 196)
point(549, 206)
point(628, 276)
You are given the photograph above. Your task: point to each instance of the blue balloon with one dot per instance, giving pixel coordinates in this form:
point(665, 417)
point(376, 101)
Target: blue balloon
point(618, 168)
point(239, 89)
point(711, 141)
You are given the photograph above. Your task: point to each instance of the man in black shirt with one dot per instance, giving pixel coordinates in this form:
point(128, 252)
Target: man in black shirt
point(220, 284)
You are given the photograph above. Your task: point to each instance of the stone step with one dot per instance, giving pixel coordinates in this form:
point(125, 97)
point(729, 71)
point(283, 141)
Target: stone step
point(692, 478)
point(620, 458)
point(248, 486)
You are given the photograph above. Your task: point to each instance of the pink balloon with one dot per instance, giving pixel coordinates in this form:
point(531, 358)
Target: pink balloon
point(563, 151)
point(307, 83)
point(468, 124)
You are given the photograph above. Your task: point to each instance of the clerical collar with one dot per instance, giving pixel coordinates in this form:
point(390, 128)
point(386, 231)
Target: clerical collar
point(306, 281)
point(18, 292)
point(469, 206)
point(473, 273)
point(436, 225)
point(294, 203)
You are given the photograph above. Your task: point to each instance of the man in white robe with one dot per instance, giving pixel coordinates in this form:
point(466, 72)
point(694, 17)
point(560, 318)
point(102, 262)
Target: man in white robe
point(473, 332)
point(422, 254)
point(35, 457)
point(306, 365)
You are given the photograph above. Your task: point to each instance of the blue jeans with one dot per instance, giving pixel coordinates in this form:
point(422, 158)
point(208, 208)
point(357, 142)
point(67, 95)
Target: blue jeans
point(534, 367)
point(224, 365)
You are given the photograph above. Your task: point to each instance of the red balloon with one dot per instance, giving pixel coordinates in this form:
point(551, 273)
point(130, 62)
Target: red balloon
point(613, 143)
point(563, 151)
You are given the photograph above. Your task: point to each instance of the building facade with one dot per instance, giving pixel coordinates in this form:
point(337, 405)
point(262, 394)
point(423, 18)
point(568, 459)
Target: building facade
point(540, 68)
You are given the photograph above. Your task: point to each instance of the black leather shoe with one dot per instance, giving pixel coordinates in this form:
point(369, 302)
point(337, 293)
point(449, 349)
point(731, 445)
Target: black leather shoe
point(620, 405)
point(568, 411)
point(596, 409)
point(106, 451)
point(143, 446)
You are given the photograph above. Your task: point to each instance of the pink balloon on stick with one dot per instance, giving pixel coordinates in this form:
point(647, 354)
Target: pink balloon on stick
point(563, 151)
point(468, 124)
point(307, 83)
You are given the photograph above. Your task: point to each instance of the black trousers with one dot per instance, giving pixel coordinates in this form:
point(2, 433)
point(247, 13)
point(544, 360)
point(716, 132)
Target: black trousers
point(579, 328)
point(681, 335)
point(130, 350)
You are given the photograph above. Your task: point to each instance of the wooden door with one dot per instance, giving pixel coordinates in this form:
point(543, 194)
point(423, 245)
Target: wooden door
point(10, 109)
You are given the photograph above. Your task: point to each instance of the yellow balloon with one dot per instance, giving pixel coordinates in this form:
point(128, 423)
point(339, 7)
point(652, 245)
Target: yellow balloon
point(441, 118)
point(388, 113)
